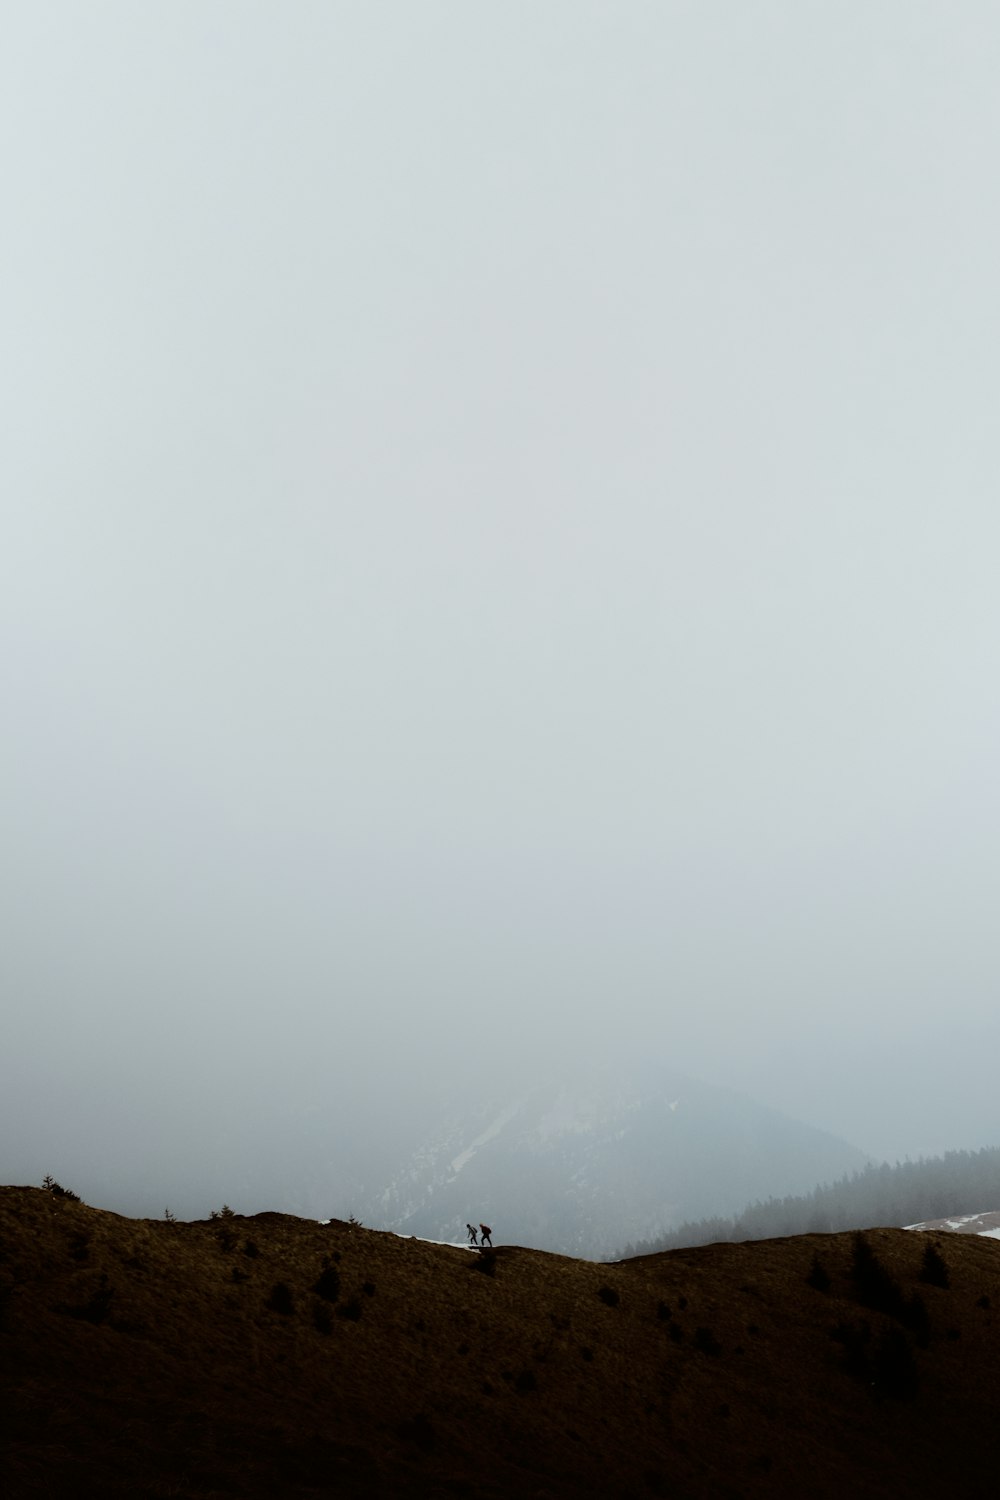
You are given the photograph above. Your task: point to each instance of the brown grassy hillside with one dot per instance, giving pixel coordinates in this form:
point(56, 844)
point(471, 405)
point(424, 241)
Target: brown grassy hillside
point(271, 1356)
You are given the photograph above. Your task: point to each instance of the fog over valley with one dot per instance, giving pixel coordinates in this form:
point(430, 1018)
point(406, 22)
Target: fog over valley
point(498, 609)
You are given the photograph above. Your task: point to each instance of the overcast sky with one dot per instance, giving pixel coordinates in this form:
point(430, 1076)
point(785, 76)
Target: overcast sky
point(500, 543)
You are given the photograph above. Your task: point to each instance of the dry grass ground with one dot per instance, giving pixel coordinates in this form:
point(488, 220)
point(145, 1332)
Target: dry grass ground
point(271, 1356)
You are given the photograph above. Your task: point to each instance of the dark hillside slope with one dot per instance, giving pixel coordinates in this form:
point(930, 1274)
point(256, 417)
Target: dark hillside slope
point(278, 1357)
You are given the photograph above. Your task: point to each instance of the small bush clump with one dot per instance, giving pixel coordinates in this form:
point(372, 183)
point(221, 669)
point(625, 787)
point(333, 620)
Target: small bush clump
point(281, 1299)
point(879, 1290)
point(934, 1270)
point(819, 1277)
point(58, 1191)
point(328, 1284)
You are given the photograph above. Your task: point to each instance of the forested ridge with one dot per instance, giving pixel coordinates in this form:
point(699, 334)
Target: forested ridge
point(879, 1195)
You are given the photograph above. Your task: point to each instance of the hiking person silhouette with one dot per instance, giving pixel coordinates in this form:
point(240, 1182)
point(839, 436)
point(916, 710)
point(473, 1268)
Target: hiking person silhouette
point(472, 1234)
point(486, 1234)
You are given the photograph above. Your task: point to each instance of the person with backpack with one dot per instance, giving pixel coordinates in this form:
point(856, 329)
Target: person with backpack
point(485, 1233)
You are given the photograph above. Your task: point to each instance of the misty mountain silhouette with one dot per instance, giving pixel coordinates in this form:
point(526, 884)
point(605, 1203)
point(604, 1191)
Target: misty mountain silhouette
point(575, 1160)
point(584, 1164)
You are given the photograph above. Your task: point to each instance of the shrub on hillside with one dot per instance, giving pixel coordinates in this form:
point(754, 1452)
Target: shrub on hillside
point(876, 1286)
point(51, 1186)
point(879, 1290)
point(281, 1299)
point(328, 1284)
point(819, 1277)
point(934, 1270)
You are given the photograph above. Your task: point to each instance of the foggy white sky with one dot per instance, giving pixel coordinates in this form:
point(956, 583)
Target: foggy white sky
point(500, 541)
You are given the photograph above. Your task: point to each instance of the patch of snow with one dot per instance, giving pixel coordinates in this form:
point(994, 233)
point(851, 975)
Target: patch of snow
point(452, 1244)
point(986, 1225)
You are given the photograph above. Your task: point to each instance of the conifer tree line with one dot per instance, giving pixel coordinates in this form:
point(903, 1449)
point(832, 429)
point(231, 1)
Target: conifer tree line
point(959, 1182)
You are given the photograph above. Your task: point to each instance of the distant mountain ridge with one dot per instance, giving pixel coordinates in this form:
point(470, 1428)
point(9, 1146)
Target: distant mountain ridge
point(931, 1193)
point(580, 1160)
point(580, 1164)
